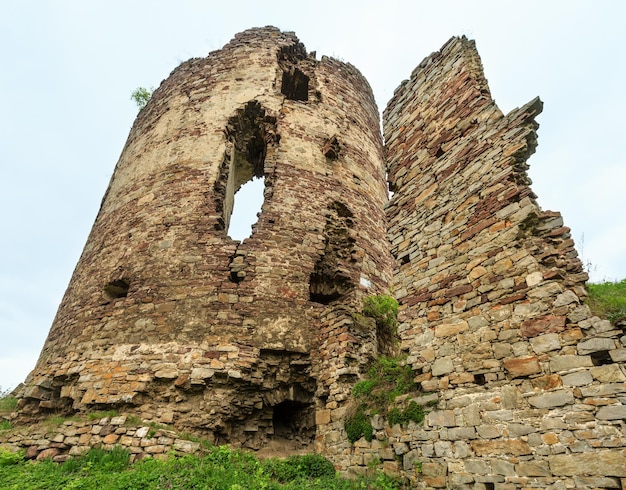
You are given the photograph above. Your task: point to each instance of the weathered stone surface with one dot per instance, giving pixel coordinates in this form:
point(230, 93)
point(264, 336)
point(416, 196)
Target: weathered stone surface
point(533, 468)
point(545, 343)
point(612, 412)
point(441, 418)
point(552, 399)
point(580, 378)
point(568, 362)
point(594, 345)
point(598, 463)
point(442, 366)
point(522, 366)
point(515, 447)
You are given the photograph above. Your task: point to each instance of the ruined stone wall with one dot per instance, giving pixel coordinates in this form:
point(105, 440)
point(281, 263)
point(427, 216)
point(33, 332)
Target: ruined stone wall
point(167, 316)
point(531, 389)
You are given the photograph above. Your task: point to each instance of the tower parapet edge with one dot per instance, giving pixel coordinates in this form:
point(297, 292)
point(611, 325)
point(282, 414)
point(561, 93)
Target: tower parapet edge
point(168, 317)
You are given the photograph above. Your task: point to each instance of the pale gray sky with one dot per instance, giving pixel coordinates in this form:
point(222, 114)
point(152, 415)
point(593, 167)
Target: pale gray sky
point(68, 68)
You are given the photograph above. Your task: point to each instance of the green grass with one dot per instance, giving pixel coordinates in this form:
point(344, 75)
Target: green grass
point(608, 299)
point(8, 404)
point(220, 469)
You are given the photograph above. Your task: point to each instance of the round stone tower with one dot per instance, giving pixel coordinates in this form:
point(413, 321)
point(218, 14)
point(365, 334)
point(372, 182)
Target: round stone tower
point(168, 317)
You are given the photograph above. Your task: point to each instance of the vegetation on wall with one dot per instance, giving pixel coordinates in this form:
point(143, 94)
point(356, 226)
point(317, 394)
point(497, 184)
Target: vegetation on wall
point(383, 309)
point(141, 96)
point(387, 379)
point(608, 299)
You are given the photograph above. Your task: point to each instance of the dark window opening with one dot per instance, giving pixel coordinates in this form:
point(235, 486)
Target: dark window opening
point(601, 357)
point(489, 485)
point(295, 84)
point(117, 289)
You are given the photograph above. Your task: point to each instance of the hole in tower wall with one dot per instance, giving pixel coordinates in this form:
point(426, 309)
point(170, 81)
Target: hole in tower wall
point(242, 172)
point(247, 204)
point(295, 84)
point(331, 278)
point(116, 289)
point(294, 420)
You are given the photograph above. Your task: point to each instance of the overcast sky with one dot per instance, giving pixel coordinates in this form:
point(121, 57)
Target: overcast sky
point(69, 67)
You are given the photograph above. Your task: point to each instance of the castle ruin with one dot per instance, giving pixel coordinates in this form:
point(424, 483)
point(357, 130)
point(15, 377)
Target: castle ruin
point(259, 342)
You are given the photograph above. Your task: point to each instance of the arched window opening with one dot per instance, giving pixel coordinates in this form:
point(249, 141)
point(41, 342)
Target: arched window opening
point(242, 173)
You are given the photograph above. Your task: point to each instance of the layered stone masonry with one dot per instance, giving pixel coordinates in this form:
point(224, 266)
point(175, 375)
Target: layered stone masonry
point(531, 387)
point(166, 316)
point(169, 318)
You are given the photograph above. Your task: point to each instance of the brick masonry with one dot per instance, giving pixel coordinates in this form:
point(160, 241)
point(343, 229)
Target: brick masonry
point(255, 342)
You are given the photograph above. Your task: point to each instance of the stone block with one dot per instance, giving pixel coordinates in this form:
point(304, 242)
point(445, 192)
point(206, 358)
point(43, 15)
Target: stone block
point(618, 355)
point(442, 366)
point(500, 467)
point(533, 468)
point(595, 345)
point(448, 329)
point(110, 439)
point(612, 412)
point(552, 399)
point(580, 378)
point(49, 453)
point(543, 325)
point(609, 373)
point(441, 418)
point(477, 466)
point(322, 417)
point(488, 431)
point(522, 366)
point(566, 298)
point(432, 469)
point(569, 362)
point(596, 463)
point(597, 482)
point(545, 343)
point(515, 447)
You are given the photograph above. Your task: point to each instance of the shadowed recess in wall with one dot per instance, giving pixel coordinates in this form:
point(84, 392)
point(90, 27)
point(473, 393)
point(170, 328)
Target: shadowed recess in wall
point(331, 279)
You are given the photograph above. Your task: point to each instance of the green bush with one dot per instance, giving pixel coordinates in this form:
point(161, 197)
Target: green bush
point(383, 309)
point(358, 426)
point(413, 412)
point(608, 299)
point(141, 96)
point(8, 458)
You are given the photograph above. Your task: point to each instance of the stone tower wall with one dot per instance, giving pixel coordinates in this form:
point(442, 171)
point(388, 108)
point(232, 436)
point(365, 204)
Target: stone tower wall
point(169, 317)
